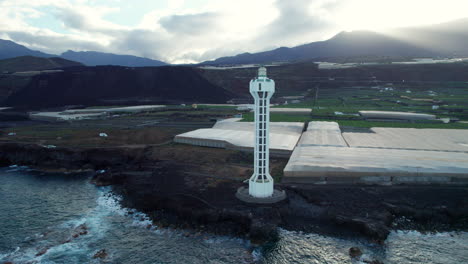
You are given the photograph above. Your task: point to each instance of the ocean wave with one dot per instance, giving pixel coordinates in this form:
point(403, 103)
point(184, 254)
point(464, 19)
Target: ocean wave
point(414, 233)
point(16, 168)
point(73, 237)
point(8, 254)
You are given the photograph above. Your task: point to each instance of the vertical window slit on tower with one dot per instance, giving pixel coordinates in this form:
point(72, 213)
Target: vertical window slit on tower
point(261, 115)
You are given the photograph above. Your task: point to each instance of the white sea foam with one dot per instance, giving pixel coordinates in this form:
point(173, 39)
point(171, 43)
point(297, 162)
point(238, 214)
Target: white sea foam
point(223, 239)
point(96, 222)
point(15, 168)
point(257, 254)
point(414, 233)
point(5, 255)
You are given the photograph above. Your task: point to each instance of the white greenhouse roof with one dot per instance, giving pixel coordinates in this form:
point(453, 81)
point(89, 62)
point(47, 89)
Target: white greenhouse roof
point(383, 155)
point(396, 115)
point(283, 135)
point(410, 138)
point(328, 164)
point(290, 110)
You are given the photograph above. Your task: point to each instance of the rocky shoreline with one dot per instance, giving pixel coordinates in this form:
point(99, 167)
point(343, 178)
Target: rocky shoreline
point(176, 193)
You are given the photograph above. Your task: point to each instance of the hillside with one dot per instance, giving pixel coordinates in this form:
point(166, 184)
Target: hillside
point(300, 78)
point(10, 49)
point(118, 85)
point(30, 63)
point(121, 85)
point(93, 58)
point(446, 39)
point(344, 44)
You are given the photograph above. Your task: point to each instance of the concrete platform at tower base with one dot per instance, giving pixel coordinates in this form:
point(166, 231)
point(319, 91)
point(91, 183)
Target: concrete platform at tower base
point(336, 165)
point(243, 195)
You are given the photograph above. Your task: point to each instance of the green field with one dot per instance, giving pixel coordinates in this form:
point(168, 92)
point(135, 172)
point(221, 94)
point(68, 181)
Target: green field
point(450, 97)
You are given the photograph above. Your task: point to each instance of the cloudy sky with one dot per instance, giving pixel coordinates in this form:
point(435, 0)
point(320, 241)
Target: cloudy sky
point(185, 31)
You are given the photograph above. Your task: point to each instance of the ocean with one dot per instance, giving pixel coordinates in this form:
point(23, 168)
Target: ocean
point(58, 218)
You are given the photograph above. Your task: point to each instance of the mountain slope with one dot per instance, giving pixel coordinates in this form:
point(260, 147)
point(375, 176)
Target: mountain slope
point(122, 85)
point(30, 63)
point(10, 49)
point(305, 77)
point(356, 43)
point(93, 58)
point(446, 39)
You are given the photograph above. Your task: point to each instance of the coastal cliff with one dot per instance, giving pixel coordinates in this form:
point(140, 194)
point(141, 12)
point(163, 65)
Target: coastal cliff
point(181, 186)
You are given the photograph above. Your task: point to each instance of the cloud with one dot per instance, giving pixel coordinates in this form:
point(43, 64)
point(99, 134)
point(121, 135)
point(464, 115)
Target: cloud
point(179, 31)
point(50, 42)
point(142, 42)
point(173, 34)
point(72, 19)
point(298, 21)
point(87, 19)
point(191, 24)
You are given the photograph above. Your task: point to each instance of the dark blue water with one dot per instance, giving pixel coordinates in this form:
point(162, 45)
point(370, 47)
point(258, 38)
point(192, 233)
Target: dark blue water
point(42, 213)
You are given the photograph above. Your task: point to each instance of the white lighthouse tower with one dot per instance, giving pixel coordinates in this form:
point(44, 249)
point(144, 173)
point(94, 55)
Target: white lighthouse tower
point(262, 89)
point(261, 183)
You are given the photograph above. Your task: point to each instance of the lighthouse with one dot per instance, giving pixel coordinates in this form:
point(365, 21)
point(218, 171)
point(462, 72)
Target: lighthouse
point(262, 89)
point(261, 190)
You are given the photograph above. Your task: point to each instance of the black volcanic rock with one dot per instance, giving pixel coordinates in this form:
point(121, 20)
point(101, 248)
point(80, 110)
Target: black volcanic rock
point(169, 195)
point(94, 58)
point(10, 49)
point(113, 84)
point(355, 252)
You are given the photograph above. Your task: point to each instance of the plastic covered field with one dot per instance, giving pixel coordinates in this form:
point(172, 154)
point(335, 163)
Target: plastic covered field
point(240, 135)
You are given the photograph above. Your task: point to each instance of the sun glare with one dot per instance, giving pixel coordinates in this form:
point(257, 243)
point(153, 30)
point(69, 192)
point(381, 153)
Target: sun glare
point(379, 15)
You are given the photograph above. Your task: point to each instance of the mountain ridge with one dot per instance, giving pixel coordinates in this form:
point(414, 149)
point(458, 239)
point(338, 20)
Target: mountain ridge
point(95, 58)
point(440, 40)
point(356, 43)
point(31, 63)
point(10, 49)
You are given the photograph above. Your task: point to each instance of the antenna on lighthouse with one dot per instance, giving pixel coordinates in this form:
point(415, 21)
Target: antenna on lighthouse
point(261, 183)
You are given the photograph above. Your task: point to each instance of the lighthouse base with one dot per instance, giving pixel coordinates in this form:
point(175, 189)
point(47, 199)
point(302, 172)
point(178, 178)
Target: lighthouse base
point(243, 195)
